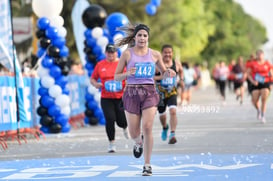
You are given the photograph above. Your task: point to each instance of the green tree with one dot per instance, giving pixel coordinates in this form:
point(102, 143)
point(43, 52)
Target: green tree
point(236, 32)
point(182, 23)
point(20, 9)
point(198, 29)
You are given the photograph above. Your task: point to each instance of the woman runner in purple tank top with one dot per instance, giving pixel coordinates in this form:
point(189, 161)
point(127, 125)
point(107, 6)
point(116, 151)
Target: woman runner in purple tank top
point(140, 98)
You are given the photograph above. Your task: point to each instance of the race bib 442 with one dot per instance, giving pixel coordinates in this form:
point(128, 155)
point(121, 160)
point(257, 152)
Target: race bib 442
point(145, 70)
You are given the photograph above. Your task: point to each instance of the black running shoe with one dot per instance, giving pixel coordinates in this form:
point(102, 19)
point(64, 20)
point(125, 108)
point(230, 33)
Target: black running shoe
point(147, 171)
point(138, 149)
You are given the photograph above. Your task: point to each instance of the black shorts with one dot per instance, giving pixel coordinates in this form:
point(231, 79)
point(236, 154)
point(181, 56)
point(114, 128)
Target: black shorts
point(170, 101)
point(261, 86)
point(237, 85)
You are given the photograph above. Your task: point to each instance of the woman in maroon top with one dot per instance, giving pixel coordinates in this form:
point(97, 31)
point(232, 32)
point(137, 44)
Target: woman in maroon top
point(111, 94)
point(239, 77)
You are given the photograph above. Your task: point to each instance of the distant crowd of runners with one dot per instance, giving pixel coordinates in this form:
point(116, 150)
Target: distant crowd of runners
point(256, 72)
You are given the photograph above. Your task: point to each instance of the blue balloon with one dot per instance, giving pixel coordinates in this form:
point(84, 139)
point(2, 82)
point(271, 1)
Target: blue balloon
point(91, 42)
point(114, 21)
point(102, 121)
point(89, 66)
point(66, 90)
point(43, 91)
point(89, 97)
point(47, 62)
point(61, 81)
point(86, 120)
point(45, 129)
point(59, 42)
point(90, 73)
point(150, 9)
point(40, 83)
point(51, 32)
point(43, 23)
point(40, 52)
point(98, 113)
point(156, 2)
point(62, 119)
point(97, 50)
point(64, 51)
point(101, 57)
point(106, 32)
point(119, 52)
point(92, 105)
point(54, 110)
point(87, 33)
point(66, 128)
point(55, 71)
point(47, 101)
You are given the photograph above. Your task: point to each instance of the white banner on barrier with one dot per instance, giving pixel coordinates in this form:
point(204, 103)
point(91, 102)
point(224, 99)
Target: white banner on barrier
point(5, 35)
point(8, 54)
point(77, 90)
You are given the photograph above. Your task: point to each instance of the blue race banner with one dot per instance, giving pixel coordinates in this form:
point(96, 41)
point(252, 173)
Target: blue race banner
point(7, 104)
point(8, 113)
point(77, 90)
point(8, 54)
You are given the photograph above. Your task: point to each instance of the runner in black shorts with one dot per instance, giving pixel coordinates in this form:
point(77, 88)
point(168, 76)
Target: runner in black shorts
point(167, 89)
point(260, 73)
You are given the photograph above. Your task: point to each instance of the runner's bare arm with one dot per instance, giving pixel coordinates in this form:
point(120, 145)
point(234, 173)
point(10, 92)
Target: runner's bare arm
point(120, 74)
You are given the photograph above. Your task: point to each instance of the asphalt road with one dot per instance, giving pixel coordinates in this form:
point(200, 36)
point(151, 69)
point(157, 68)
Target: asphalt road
point(205, 125)
point(206, 128)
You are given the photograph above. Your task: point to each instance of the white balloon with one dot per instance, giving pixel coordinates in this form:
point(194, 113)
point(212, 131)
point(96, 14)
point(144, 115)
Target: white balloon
point(103, 49)
point(47, 81)
point(66, 110)
point(91, 89)
point(97, 32)
point(42, 71)
point(55, 91)
point(56, 21)
point(102, 41)
point(97, 97)
point(87, 82)
point(62, 100)
point(47, 8)
point(117, 37)
point(62, 31)
point(123, 48)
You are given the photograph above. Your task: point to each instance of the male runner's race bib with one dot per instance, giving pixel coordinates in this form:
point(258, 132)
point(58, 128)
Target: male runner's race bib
point(113, 86)
point(145, 70)
point(259, 78)
point(239, 76)
point(168, 82)
point(223, 77)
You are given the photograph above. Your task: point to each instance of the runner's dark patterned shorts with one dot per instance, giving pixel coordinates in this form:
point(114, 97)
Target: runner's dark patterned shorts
point(139, 97)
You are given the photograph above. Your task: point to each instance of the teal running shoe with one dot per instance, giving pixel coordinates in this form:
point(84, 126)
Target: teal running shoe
point(164, 133)
point(172, 139)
